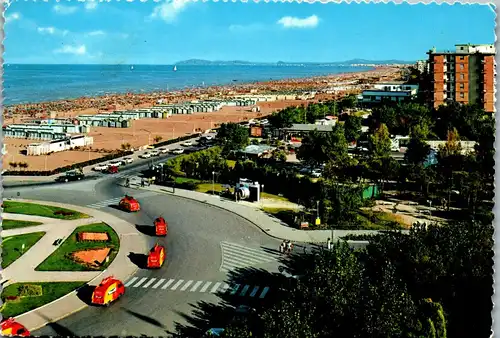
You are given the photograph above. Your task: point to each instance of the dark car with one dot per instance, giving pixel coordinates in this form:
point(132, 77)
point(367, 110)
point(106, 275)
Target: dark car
point(71, 176)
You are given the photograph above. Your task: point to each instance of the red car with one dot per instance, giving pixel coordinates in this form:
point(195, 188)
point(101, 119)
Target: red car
point(12, 328)
point(161, 226)
point(113, 169)
point(109, 290)
point(156, 256)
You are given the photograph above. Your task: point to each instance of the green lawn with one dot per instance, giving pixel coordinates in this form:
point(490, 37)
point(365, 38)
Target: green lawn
point(217, 187)
point(19, 298)
point(61, 259)
point(12, 246)
point(8, 224)
point(41, 210)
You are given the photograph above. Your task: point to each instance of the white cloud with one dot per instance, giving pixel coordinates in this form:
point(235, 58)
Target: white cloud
point(76, 50)
point(169, 10)
point(90, 5)
point(96, 33)
point(61, 9)
point(293, 22)
point(12, 17)
point(52, 31)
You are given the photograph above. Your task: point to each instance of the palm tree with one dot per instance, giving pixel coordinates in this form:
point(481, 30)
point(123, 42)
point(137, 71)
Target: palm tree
point(126, 146)
point(13, 165)
point(158, 138)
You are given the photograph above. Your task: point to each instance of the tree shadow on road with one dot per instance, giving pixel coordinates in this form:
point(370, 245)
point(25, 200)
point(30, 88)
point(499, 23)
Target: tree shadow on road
point(140, 260)
point(147, 319)
point(59, 329)
point(255, 288)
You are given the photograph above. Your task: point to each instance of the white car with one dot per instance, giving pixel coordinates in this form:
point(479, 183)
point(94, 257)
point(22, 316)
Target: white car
point(163, 150)
point(187, 144)
point(316, 173)
point(208, 137)
point(115, 163)
point(101, 167)
point(127, 160)
point(155, 153)
point(145, 155)
point(178, 151)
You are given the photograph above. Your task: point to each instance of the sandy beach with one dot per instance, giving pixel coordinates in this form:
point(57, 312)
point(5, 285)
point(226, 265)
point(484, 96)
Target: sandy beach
point(144, 131)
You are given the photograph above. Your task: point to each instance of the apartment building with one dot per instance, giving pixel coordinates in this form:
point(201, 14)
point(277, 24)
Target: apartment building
point(465, 75)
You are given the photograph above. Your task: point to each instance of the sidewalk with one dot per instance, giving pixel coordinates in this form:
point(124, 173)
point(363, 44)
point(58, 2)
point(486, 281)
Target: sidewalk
point(268, 224)
point(121, 267)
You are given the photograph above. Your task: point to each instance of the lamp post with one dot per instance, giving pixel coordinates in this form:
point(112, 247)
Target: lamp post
point(262, 192)
point(213, 182)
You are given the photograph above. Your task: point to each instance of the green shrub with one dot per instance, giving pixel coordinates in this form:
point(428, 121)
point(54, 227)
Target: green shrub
point(29, 290)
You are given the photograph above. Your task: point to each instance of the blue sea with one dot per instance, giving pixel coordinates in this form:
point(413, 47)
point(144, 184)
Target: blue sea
point(39, 83)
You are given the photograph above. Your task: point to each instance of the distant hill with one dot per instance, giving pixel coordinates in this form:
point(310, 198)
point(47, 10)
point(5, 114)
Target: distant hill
point(200, 62)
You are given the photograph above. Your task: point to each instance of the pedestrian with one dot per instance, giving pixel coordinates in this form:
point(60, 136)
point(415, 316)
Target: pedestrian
point(289, 247)
point(329, 244)
point(282, 247)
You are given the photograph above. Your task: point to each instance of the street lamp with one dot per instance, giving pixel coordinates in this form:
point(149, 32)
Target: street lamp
point(213, 182)
point(262, 191)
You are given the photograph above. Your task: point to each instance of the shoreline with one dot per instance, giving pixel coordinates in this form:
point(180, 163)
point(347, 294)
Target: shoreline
point(140, 99)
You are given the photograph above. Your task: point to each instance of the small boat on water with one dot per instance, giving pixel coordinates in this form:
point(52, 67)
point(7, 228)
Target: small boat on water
point(175, 68)
point(131, 67)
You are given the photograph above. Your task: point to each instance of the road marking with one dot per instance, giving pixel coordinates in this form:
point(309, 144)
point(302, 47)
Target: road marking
point(149, 283)
point(196, 285)
point(167, 284)
point(188, 283)
point(140, 282)
point(244, 291)
point(254, 291)
point(159, 283)
point(216, 286)
point(235, 288)
point(264, 292)
point(176, 285)
point(130, 282)
point(205, 287)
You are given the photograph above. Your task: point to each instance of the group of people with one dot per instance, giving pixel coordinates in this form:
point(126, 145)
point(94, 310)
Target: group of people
point(286, 247)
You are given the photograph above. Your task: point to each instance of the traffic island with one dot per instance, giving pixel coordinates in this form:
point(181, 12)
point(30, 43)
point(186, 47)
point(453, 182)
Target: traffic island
point(14, 247)
point(19, 298)
point(14, 207)
point(89, 248)
point(9, 224)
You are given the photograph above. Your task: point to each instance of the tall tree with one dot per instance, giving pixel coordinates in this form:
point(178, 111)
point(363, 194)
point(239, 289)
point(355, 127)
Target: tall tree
point(231, 137)
point(418, 150)
point(352, 128)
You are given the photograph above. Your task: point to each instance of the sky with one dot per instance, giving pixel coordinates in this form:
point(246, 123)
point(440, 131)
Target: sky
point(170, 31)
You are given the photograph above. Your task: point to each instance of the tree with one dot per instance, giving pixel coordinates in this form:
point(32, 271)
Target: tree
point(13, 165)
point(352, 128)
point(232, 137)
point(126, 146)
point(380, 142)
point(279, 155)
point(158, 138)
point(418, 150)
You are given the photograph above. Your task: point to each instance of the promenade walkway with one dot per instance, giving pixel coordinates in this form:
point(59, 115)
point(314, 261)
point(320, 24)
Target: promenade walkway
point(267, 223)
point(22, 270)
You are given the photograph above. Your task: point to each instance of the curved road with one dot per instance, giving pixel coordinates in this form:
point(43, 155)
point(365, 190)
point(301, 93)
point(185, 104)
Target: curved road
point(194, 253)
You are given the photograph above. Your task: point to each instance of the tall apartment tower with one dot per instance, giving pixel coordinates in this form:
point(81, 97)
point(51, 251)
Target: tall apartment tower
point(465, 75)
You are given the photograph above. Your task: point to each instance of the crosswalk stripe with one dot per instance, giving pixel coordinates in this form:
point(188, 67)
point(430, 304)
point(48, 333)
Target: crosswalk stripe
point(236, 261)
point(149, 283)
point(264, 292)
point(247, 256)
point(254, 291)
point(130, 282)
point(159, 283)
point(216, 286)
point(196, 286)
point(245, 289)
point(188, 283)
point(205, 287)
point(167, 284)
point(176, 285)
point(235, 289)
point(140, 282)
point(249, 252)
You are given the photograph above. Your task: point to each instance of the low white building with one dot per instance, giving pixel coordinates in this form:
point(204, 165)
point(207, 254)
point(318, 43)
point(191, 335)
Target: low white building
point(393, 91)
point(36, 149)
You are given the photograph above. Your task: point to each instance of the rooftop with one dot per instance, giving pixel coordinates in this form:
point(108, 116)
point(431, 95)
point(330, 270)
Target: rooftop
point(257, 149)
point(309, 127)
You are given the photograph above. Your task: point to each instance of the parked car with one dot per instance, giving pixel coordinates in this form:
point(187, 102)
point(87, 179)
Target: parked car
point(145, 155)
point(178, 151)
point(116, 163)
point(163, 150)
point(113, 169)
point(187, 144)
point(127, 160)
point(72, 175)
point(155, 153)
point(316, 173)
point(101, 167)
